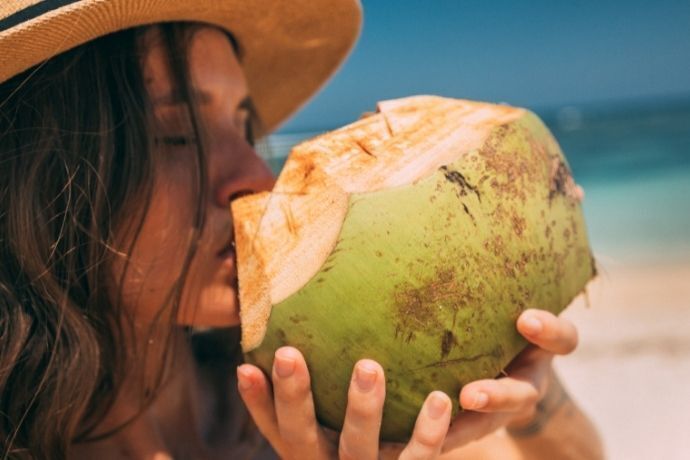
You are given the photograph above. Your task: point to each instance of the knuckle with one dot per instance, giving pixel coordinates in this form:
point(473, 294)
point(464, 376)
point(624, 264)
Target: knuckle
point(429, 439)
point(311, 438)
point(298, 437)
point(359, 412)
point(362, 410)
point(302, 392)
point(498, 397)
point(294, 392)
point(344, 452)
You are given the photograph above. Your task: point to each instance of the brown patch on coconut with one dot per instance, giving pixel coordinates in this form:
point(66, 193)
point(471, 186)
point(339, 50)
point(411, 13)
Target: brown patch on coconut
point(562, 182)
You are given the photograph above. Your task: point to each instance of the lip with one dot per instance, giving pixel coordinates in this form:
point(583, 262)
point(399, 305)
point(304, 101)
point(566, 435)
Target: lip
point(228, 260)
point(228, 253)
point(228, 249)
point(228, 256)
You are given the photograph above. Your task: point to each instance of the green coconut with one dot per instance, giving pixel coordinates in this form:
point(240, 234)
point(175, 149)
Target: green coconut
point(414, 237)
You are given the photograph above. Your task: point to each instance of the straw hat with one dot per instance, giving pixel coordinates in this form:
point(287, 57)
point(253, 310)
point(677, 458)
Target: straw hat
point(290, 47)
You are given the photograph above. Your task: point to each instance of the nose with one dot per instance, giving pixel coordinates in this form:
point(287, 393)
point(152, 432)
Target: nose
point(240, 172)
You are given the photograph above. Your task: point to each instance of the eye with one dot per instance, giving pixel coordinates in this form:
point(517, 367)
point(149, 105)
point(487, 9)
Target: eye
point(249, 131)
point(244, 122)
point(176, 141)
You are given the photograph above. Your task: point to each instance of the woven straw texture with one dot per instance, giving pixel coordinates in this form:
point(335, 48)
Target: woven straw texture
point(289, 47)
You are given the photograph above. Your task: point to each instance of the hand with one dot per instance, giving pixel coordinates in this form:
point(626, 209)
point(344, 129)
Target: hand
point(512, 400)
point(286, 417)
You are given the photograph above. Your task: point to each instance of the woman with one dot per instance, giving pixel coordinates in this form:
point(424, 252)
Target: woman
point(126, 128)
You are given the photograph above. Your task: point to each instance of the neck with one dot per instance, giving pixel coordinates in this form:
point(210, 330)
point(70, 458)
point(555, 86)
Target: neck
point(145, 418)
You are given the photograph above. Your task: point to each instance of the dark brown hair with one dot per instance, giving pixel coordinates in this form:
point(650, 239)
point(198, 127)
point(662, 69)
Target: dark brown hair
point(75, 152)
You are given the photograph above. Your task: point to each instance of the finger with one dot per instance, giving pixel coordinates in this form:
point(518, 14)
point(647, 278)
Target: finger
point(532, 360)
point(390, 450)
point(470, 426)
point(294, 405)
point(549, 332)
point(255, 391)
point(360, 435)
point(506, 394)
point(579, 193)
point(430, 429)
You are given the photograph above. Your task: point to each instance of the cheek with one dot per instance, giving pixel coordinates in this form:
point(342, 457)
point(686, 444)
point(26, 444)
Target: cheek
point(157, 256)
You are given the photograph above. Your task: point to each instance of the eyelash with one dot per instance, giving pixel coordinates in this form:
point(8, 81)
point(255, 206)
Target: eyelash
point(185, 141)
point(175, 141)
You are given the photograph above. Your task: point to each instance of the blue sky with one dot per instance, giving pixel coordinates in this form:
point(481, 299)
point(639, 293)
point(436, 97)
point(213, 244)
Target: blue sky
point(538, 54)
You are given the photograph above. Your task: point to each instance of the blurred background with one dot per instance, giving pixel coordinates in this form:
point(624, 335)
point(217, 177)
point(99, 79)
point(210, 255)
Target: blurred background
point(612, 81)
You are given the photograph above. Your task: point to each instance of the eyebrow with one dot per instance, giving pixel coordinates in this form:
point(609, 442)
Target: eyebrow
point(176, 98)
point(202, 97)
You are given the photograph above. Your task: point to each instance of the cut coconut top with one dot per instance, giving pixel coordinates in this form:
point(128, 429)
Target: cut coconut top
point(284, 237)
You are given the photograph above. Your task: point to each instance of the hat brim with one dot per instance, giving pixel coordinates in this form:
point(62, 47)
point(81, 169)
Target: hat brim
point(289, 48)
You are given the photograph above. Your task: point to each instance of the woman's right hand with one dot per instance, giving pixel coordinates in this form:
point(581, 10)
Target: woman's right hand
point(285, 415)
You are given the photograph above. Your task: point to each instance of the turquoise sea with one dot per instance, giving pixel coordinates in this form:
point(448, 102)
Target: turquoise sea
point(633, 160)
point(634, 164)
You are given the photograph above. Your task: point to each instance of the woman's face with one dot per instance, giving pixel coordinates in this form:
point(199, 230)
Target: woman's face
point(209, 296)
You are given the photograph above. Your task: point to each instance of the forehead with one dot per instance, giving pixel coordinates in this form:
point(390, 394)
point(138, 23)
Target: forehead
point(213, 64)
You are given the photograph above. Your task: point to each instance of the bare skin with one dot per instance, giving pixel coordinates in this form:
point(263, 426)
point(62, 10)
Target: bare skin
point(180, 423)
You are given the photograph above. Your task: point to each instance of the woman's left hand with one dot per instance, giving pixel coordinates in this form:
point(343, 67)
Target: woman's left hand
point(512, 400)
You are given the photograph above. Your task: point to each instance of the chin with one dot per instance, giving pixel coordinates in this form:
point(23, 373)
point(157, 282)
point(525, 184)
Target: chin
point(215, 308)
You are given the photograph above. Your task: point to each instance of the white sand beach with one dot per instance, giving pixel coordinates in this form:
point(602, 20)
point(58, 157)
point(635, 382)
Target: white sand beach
point(631, 372)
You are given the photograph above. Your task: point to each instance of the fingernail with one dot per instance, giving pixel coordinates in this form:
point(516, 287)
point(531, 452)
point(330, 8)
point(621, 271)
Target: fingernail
point(284, 366)
point(532, 325)
point(437, 405)
point(243, 380)
point(365, 376)
point(480, 400)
